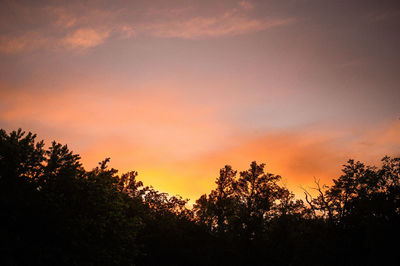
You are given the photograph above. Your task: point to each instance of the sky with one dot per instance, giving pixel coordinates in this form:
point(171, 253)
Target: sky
point(177, 89)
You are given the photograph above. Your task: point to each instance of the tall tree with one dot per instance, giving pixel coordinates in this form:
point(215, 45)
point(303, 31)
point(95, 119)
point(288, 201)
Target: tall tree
point(218, 209)
point(258, 193)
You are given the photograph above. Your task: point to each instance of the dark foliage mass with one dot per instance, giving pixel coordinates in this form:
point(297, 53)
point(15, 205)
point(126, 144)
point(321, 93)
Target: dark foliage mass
point(54, 212)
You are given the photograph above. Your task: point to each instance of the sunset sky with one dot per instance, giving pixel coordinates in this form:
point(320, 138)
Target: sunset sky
point(177, 89)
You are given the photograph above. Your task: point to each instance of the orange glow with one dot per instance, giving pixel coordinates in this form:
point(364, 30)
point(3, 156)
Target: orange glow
point(176, 90)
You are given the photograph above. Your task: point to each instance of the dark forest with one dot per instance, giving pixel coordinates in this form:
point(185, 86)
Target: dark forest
point(55, 212)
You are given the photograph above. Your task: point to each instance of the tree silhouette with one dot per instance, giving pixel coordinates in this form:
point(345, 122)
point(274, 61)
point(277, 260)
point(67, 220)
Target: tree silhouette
point(362, 207)
point(57, 213)
point(54, 212)
point(217, 210)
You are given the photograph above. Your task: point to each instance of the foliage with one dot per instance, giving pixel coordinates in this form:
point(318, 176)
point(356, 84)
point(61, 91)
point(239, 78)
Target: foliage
point(55, 212)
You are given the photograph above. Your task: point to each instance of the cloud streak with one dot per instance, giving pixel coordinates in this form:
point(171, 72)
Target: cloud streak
point(84, 38)
point(205, 27)
point(22, 43)
point(80, 27)
point(230, 22)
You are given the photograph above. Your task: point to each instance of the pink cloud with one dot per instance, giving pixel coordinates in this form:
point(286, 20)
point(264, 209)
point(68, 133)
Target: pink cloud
point(84, 38)
point(74, 27)
point(25, 42)
point(230, 23)
point(246, 5)
point(79, 27)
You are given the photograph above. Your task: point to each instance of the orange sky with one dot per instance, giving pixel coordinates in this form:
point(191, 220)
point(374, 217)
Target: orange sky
point(178, 89)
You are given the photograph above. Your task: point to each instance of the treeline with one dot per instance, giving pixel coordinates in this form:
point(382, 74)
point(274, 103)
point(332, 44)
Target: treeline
point(54, 212)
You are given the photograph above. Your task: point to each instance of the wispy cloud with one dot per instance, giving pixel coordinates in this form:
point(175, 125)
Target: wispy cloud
point(232, 21)
point(204, 27)
point(247, 5)
point(79, 27)
point(26, 42)
point(84, 38)
point(75, 27)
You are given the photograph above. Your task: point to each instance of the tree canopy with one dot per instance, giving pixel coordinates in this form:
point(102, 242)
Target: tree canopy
point(55, 212)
